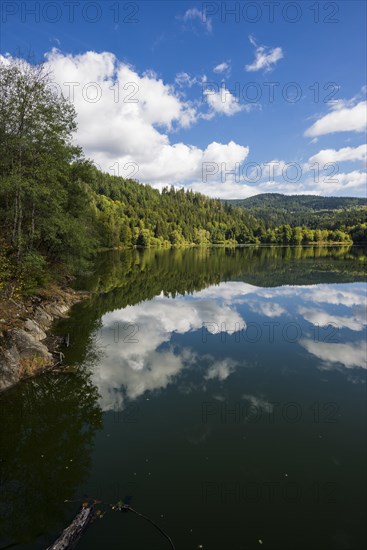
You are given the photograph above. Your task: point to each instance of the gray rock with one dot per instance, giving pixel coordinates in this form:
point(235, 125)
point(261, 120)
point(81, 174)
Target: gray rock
point(42, 318)
point(35, 330)
point(19, 344)
point(56, 310)
point(9, 367)
point(28, 346)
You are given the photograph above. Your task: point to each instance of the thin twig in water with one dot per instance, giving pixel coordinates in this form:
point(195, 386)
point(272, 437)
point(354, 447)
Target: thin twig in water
point(126, 507)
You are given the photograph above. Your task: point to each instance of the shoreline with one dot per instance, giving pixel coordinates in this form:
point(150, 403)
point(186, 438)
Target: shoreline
point(27, 348)
point(231, 245)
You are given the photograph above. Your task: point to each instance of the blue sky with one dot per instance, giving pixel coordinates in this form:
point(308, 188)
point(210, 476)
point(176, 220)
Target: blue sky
point(188, 74)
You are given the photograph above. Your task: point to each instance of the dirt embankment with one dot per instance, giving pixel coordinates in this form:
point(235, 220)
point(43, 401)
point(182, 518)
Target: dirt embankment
point(25, 347)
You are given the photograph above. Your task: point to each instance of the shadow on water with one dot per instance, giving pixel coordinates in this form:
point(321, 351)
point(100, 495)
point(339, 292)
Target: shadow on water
point(47, 429)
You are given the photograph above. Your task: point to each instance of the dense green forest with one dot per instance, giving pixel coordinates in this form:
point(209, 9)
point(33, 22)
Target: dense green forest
point(57, 209)
point(311, 211)
point(298, 203)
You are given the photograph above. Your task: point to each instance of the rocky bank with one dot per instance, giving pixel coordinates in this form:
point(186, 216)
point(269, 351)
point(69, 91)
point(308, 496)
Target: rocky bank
point(25, 347)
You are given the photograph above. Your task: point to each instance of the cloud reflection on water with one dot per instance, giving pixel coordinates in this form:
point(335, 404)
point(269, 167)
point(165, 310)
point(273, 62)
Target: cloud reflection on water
point(155, 360)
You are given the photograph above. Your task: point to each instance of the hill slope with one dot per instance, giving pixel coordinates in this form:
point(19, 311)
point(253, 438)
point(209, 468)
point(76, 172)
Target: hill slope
point(310, 210)
point(298, 202)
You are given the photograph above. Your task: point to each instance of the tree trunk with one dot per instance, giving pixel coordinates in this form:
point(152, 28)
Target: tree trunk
point(30, 247)
point(19, 238)
point(15, 222)
point(72, 534)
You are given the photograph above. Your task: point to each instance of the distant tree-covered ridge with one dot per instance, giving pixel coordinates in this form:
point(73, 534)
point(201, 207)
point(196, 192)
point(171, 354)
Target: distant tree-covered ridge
point(299, 202)
point(311, 211)
point(57, 209)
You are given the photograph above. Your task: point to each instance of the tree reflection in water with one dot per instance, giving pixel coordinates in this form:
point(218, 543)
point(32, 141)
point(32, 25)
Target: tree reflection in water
point(46, 437)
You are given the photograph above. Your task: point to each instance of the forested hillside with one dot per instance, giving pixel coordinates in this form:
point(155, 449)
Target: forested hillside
point(57, 209)
point(297, 203)
point(311, 211)
point(131, 213)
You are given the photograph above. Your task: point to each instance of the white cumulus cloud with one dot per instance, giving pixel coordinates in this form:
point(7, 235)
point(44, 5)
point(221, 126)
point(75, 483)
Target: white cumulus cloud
point(125, 117)
point(341, 155)
point(224, 102)
point(342, 118)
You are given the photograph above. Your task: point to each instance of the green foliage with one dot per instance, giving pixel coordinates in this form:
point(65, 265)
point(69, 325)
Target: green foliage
point(46, 215)
point(310, 211)
point(359, 233)
point(297, 204)
point(302, 235)
point(133, 214)
point(32, 272)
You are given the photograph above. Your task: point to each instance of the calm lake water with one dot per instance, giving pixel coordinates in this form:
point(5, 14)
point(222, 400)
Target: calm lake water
point(219, 391)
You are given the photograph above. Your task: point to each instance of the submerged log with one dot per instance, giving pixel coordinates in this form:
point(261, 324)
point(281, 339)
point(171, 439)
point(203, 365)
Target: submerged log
point(72, 534)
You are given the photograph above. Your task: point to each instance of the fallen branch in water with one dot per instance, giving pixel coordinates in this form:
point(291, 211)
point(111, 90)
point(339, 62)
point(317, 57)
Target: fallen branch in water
point(72, 534)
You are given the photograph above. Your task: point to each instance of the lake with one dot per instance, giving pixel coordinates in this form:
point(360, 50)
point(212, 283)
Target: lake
point(221, 392)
